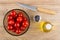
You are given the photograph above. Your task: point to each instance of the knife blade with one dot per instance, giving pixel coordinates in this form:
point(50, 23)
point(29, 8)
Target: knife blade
point(33, 8)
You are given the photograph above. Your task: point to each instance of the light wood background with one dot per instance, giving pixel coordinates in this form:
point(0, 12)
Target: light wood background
point(33, 33)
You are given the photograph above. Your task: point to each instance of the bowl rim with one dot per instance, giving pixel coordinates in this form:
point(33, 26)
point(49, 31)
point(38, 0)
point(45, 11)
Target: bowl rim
point(27, 27)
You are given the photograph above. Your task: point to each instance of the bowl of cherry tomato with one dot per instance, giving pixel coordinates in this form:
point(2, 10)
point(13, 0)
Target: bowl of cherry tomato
point(16, 22)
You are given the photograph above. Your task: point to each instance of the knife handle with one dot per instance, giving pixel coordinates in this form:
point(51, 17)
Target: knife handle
point(45, 11)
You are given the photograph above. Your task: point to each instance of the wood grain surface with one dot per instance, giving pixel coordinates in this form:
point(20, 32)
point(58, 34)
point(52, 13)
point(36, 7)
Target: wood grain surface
point(33, 33)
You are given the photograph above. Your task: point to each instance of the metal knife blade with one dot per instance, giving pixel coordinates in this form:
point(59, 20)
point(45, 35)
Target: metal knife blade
point(33, 8)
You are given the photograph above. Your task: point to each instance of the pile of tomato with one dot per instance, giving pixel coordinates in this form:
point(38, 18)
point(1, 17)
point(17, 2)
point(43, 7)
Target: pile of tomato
point(17, 22)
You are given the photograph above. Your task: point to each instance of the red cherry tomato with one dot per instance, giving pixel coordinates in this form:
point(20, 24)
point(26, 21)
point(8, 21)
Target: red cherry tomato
point(10, 17)
point(18, 31)
point(16, 25)
point(15, 16)
point(10, 27)
point(22, 28)
point(19, 19)
point(11, 22)
point(13, 30)
point(20, 14)
point(25, 23)
point(25, 19)
point(13, 13)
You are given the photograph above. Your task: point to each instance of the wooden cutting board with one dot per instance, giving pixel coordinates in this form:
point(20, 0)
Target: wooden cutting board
point(33, 33)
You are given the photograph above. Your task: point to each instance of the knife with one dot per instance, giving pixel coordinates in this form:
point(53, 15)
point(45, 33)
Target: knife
point(40, 9)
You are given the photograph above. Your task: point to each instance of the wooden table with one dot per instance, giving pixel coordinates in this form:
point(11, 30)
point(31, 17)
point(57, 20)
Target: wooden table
point(33, 33)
